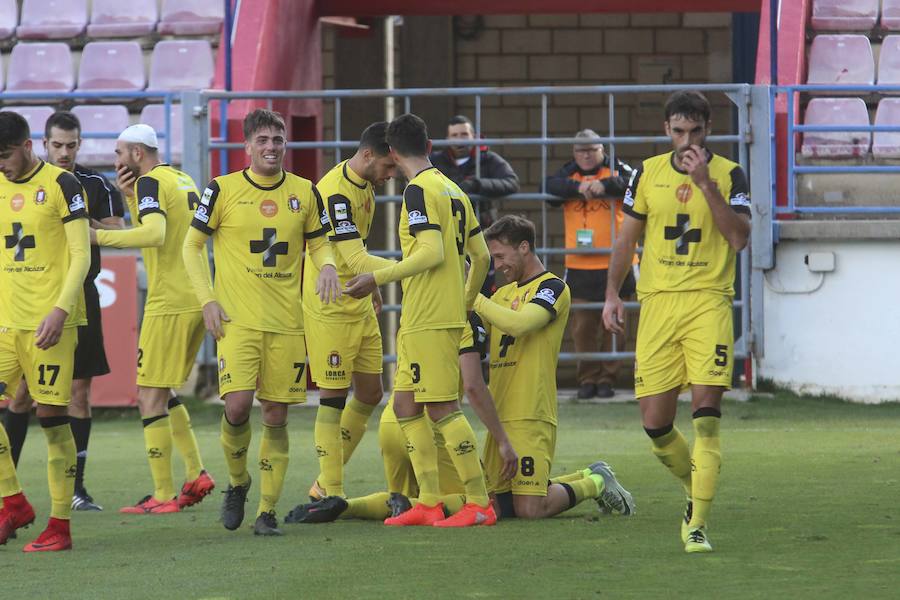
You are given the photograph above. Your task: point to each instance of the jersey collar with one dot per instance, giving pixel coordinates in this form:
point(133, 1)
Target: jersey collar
point(709, 157)
point(265, 188)
point(30, 175)
point(351, 176)
point(423, 170)
point(530, 279)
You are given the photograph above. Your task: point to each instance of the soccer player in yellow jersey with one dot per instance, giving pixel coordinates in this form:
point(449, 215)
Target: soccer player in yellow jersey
point(526, 320)
point(161, 200)
point(437, 231)
point(43, 262)
point(343, 338)
point(693, 209)
point(260, 220)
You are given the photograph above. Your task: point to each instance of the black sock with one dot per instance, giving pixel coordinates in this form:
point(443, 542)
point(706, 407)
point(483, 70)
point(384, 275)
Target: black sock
point(16, 425)
point(81, 431)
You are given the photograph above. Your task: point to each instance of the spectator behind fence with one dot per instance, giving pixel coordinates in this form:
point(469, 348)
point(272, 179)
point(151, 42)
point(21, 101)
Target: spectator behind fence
point(591, 192)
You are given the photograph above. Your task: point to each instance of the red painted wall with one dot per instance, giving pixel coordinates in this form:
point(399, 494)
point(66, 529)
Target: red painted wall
point(367, 8)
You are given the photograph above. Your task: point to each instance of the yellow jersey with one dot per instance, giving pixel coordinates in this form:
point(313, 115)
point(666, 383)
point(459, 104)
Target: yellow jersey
point(435, 299)
point(350, 202)
point(523, 369)
point(166, 190)
point(259, 227)
point(683, 248)
point(35, 257)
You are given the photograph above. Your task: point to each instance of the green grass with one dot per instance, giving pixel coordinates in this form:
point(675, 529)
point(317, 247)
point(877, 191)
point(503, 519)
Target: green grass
point(808, 508)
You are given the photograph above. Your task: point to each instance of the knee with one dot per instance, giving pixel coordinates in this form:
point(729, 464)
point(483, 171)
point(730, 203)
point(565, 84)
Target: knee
point(529, 509)
point(657, 434)
point(337, 402)
point(237, 412)
point(274, 414)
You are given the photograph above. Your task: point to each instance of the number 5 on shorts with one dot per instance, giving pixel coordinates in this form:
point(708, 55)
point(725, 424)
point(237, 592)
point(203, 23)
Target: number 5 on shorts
point(721, 355)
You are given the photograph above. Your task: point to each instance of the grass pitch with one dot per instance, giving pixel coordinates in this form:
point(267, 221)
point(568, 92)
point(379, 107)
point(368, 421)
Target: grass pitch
point(807, 508)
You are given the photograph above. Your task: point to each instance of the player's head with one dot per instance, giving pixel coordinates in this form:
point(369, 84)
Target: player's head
point(264, 139)
point(407, 136)
point(62, 139)
point(377, 164)
point(588, 155)
point(137, 149)
point(511, 242)
point(459, 127)
point(687, 120)
point(16, 156)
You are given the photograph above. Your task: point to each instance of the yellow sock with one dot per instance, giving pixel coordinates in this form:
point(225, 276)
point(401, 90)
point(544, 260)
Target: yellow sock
point(373, 506)
point(671, 448)
point(274, 453)
point(569, 477)
point(707, 461)
point(158, 442)
point(461, 445)
point(354, 422)
point(235, 441)
point(9, 480)
point(327, 436)
point(582, 489)
point(453, 503)
point(423, 456)
point(184, 439)
point(60, 465)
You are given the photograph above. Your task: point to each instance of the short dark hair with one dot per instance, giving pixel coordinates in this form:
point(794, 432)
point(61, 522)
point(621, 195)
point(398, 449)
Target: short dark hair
point(511, 230)
point(261, 118)
point(459, 120)
point(14, 129)
point(64, 120)
point(689, 104)
point(373, 138)
point(408, 135)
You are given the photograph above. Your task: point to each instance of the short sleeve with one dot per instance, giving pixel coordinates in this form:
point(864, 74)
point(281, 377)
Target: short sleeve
point(479, 336)
point(206, 218)
point(343, 225)
point(739, 194)
point(635, 201)
point(317, 222)
point(417, 210)
point(549, 293)
point(73, 205)
point(148, 200)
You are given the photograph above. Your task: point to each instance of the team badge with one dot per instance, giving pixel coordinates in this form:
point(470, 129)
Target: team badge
point(293, 203)
point(334, 359)
point(268, 208)
point(40, 196)
point(684, 193)
point(17, 202)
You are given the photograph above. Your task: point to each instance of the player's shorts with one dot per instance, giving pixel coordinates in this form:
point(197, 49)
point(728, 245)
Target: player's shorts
point(398, 469)
point(535, 443)
point(48, 373)
point(90, 355)
point(337, 350)
point(428, 364)
point(683, 338)
point(167, 348)
point(273, 364)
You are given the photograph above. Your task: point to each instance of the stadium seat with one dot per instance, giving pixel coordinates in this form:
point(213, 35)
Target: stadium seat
point(154, 115)
point(844, 15)
point(191, 17)
point(100, 119)
point(889, 61)
point(37, 117)
point(52, 19)
point(39, 67)
point(842, 144)
point(114, 18)
point(111, 67)
point(890, 15)
point(886, 144)
point(181, 65)
point(841, 60)
point(9, 13)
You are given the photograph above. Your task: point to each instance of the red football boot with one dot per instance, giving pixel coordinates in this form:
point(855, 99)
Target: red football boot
point(420, 514)
point(16, 513)
point(192, 492)
point(151, 506)
point(55, 538)
point(470, 515)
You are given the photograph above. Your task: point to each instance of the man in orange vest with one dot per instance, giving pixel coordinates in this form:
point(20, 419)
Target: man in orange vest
point(591, 193)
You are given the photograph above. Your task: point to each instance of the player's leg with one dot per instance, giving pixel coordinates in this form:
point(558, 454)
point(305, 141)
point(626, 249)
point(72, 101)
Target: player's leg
point(18, 413)
point(16, 511)
point(80, 422)
point(329, 445)
point(367, 388)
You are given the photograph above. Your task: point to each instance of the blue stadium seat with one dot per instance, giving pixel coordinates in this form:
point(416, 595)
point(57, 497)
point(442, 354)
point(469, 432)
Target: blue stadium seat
point(114, 18)
point(52, 19)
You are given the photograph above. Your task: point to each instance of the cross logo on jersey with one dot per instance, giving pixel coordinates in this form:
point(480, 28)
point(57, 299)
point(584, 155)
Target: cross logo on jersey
point(682, 234)
point(19, 242)
point(269, 246)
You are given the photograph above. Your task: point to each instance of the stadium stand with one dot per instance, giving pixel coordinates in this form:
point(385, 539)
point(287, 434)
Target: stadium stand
point(154, 115)
point(841, 60)
point(113, 18)
point(1, 74)
point(8, 13)
point(43, 66)
point(836, 111)
point(100, 119)
point(844, 15)
point(890, 15)
point(889, 61)
point(111, 67)
point(886, 144)
point(52, 19)
point(191, 17)
point(37, 117)
point(181, 65)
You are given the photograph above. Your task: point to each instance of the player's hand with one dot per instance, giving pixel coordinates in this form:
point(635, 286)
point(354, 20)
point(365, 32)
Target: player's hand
point(328, 285)
point(695, 163)
point(50, 329)
point(93, 236)
point(377, 301)
point(614, 315)
point(510, 461)
point(213, 318)
point(125, 180)
point(361, 286)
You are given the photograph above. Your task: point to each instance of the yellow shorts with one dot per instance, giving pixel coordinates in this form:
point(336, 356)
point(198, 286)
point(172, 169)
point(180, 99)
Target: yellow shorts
point(535, 443)
point(428, 364)
point(47, 372)
point(683, 338)
point(273, 364)
point(398, 470)
point(167, 348)
point(337, 350)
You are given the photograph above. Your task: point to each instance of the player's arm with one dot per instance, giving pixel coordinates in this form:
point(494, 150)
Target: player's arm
point(480, 259)
point(534, 315)
point(111, 214)
point(193, 254)
point(151, 233)
point(328, 285)
point(635, 208)
point(732, 218)
point(346, 240)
